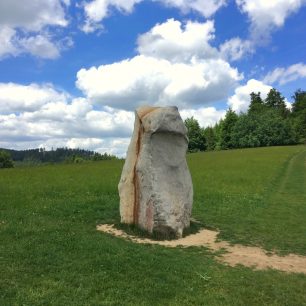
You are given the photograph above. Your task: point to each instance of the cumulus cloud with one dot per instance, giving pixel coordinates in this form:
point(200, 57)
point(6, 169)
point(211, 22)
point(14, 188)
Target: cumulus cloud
point(7, 44)
point(62, 119)
point(40, 116)
point(265, 16)
point(97, 10)
point(18, 98)
point(206, 8)
point(282, 75)
point(188, 75)
point(114, 146)
point(23, 27)
point(33, 16)
point(178, 43)
point(173, 73)
point(40, 45)
point(74, 123)
point(206, 116)
point(147, 80)
point(240, 101)
point(236, 48)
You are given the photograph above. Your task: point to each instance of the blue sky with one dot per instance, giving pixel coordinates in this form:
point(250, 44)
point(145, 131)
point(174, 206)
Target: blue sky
point(72, 72)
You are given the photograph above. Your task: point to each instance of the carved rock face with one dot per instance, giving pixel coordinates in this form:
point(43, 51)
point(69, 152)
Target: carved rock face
point(155, 187)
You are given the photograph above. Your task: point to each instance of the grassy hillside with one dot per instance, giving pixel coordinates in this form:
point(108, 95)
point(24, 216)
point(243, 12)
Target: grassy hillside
point(51, 253)
point(254, 196)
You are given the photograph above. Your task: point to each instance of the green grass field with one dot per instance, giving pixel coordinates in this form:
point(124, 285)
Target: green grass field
point(51, 253)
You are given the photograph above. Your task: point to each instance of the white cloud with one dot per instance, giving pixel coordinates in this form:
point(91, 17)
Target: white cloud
point(59, 122)
point(206, 8)
point(33, 15)
point(285, 75)
point(41, 46)
point(7, 46)
point(40, 116)
point(97, 10)
point(84, 143)
point(267, 15)
point(240, 101)
point(178, 43)
point(60, 111)
point(66, 2)
point(235, 48)
point(146, 80)
point(173, 74)
point(18, 98)
point(206, 116)
point(114, 146)
point(22, 27)
point(77, 119)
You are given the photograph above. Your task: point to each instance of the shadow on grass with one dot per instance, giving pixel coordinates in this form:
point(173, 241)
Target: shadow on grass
point(160, 234)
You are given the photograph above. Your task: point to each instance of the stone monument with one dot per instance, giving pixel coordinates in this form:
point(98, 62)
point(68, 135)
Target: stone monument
point(155, 188)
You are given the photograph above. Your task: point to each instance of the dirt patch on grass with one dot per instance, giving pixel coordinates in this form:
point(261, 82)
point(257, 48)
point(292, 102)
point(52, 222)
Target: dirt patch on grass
point(253, 257)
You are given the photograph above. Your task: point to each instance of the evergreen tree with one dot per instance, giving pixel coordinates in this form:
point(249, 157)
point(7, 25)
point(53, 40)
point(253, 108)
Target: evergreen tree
point(195, 135)
point(210, 137)
point(227, 126)
point(217, 131)
point(299, 102)
point(299, 114)
point(276, 102)
point(256, 104)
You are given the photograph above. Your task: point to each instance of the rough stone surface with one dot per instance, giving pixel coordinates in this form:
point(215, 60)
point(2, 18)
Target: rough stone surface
point(155, 187)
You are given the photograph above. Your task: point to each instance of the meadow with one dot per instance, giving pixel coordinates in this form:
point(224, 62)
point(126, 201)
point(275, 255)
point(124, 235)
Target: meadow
point(52, 254)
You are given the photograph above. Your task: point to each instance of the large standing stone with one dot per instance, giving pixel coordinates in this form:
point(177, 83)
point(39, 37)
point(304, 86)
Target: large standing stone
point(155, 187)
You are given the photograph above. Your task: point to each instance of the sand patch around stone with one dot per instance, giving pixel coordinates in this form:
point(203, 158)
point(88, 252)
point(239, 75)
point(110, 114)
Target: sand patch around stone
point(254, 257)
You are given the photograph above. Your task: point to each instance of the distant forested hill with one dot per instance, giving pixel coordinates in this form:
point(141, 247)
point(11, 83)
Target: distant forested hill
point(54, 156)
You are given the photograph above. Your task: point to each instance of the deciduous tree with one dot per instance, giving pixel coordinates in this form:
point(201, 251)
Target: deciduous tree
point(5, 160)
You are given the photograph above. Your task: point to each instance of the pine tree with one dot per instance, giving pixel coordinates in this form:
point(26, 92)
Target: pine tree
point(299, 114)
point(210, 137)
point(195, 135)
point(276, 101)
point(227, 127)
point(256, 104)
point(299, 103)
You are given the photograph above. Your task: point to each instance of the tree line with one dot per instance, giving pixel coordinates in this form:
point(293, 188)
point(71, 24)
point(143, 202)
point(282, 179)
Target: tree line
point(37, 156)
point(267, 122)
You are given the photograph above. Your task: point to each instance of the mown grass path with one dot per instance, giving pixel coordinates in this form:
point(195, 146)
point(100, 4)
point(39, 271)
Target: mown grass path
point(254, 197)
point(286, 206)
point(294, 175)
